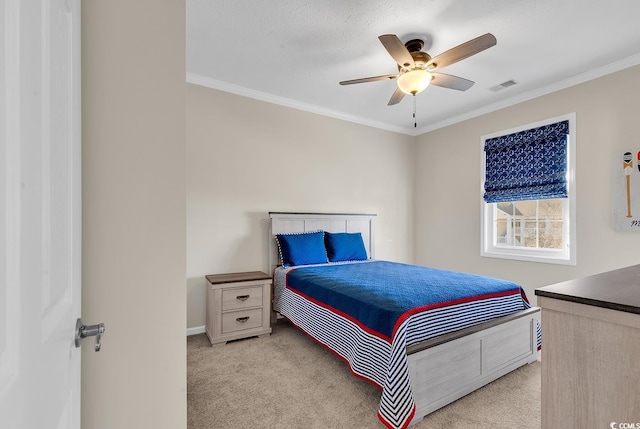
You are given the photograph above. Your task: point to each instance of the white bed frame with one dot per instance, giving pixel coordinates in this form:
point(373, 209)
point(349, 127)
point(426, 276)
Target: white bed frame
point(445, 368)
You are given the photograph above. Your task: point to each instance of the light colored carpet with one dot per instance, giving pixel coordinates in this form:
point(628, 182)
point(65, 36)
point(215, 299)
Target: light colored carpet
point(287, 380)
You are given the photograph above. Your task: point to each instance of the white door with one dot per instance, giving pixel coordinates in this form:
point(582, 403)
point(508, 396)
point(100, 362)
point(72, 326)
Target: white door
point(39, 213)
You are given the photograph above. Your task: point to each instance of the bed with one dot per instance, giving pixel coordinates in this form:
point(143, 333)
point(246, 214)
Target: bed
point(423, 346)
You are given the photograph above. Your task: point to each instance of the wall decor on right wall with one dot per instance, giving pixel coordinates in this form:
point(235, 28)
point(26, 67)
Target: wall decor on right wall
point(626, 192)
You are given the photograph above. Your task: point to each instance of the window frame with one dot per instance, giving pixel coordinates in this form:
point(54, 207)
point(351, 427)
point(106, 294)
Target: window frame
point(566, 256)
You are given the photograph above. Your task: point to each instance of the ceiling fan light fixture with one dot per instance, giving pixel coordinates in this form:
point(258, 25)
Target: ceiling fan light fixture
point(414, 81)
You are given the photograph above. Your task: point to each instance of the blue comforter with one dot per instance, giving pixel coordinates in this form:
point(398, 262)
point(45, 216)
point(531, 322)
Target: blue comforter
point(379, 295)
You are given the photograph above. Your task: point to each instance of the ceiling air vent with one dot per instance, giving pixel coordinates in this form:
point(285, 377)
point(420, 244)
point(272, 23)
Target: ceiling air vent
point(503, 85)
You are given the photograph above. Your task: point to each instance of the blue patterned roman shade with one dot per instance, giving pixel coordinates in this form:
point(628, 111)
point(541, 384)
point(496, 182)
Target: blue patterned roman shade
point(527, 165)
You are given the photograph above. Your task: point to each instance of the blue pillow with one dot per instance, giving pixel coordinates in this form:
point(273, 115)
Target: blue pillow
point(302, 248)
point(344, 246)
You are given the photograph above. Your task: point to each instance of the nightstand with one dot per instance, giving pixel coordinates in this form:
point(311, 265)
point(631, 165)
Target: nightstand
point(238, 306)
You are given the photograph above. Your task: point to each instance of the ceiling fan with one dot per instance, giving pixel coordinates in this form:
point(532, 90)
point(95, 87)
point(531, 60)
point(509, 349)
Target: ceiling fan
point(417, 68)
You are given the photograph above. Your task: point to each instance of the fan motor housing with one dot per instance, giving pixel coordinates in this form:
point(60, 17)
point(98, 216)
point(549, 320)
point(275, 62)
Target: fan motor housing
point(414, 45)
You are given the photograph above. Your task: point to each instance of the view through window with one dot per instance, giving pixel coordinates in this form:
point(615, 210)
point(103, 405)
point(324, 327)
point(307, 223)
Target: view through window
point(535, 224)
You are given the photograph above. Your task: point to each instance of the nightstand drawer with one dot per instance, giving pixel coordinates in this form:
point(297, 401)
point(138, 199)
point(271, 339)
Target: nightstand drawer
point(237, 298)
point(241, 320)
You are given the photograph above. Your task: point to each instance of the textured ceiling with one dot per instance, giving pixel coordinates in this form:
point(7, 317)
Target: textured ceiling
point(294, 52)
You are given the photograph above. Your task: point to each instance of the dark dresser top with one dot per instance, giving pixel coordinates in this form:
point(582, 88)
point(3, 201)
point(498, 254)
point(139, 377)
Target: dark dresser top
point(616, 290)
point(236, 277)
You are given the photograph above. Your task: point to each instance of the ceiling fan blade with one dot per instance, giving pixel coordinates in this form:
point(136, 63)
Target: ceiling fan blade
point(396, 97)
point(463, 51)
point(450, 81)
point(396, 49)
point(369, 79)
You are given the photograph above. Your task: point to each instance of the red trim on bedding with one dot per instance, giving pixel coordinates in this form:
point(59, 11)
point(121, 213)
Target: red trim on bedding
point(340, 313)
point(413, 311)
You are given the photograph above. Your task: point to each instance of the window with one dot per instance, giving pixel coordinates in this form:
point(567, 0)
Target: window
point(528, 192)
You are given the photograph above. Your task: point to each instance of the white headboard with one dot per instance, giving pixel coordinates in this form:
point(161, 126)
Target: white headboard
point(282, 223)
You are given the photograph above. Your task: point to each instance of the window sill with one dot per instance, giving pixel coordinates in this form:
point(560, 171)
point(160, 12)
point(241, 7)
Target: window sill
point(540, 256)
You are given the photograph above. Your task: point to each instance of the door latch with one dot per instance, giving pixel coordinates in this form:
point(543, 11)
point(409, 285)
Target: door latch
point(83, 331)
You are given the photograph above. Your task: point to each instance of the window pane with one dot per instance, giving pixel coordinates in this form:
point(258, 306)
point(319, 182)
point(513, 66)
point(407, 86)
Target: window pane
point(501, 229)
point(534, 224)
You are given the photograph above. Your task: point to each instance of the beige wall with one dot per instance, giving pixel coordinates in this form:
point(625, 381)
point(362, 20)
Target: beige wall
point(235, 146)
point(448, 196)
point(134, 213)
point(247, 157)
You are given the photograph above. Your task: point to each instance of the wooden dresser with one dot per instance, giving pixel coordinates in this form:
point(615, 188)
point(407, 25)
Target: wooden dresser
point(238, 306)
point(591, 351)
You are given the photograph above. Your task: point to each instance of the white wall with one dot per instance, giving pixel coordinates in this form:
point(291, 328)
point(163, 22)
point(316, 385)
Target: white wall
point(247, 157)
point(448, 163)
point(133, 182)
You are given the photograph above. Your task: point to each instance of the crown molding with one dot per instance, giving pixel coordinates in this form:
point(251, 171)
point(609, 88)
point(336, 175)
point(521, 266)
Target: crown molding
point(631, 61)
point(287, 102)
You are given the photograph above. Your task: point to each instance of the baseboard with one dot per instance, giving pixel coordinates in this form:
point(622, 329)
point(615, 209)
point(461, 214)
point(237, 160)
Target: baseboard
point(196, 330)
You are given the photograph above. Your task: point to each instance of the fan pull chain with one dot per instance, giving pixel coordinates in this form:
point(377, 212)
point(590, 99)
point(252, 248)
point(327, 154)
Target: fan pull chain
point(415, 122)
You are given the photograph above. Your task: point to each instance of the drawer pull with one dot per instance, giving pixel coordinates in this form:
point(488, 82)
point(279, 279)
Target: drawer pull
point(242, 319)
point(242, 297)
